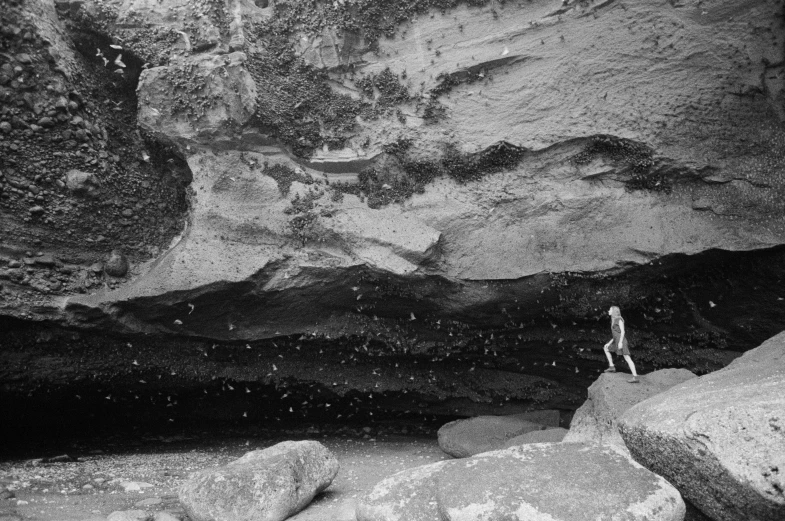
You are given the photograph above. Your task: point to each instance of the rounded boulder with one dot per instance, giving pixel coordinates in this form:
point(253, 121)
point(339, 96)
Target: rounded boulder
point(539, 482)
point(463, 438)
point(264, 485)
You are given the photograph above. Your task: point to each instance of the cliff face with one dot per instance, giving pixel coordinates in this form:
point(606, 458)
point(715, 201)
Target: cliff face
point(357, 169)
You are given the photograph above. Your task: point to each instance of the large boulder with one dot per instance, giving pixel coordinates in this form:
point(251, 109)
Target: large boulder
point(720, 438)
point(542, 482)
point(463, 438)
point(609, 396)
point(264, 485)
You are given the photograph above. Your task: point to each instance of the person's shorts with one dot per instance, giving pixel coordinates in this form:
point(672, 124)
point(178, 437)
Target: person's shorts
point(625, 350)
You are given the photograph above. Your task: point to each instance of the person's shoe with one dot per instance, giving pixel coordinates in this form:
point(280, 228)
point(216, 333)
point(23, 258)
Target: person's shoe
point(634, 380)
point(611, 369)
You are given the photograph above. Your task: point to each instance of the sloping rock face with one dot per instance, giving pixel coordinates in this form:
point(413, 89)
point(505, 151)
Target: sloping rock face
point(264, 485)
point(597, 420)
point(543, 482)
point(719, 438)
point(463, 438)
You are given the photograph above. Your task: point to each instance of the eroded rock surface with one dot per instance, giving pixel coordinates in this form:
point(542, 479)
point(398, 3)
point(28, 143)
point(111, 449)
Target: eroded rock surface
point(547, 482)
point(719, 438)
point(270, 484)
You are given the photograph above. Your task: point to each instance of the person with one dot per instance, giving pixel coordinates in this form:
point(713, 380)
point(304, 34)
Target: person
point(619, 344)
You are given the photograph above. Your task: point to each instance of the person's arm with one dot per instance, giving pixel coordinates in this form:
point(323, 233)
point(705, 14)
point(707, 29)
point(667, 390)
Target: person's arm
point(621, 336)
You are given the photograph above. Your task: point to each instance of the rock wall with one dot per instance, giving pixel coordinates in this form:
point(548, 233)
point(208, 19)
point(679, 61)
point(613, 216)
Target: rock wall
point(640, 131)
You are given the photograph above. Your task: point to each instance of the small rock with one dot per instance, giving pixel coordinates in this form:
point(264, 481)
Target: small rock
point(81, 182)
point(46, 122)
point(148, 502)
point(128, 515)
point(24, 58)
point(165, 516)
point(116, 265)
point(46, 260)
point(128, 213)
point(36, 210)
point(5, 127)
point(63, 458)
point(134, 486)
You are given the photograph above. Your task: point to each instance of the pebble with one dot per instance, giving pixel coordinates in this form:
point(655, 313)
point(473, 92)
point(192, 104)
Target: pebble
point(36, 209)
point(134, 486)
point(128, 515)
point(5, 127)
point(116, 265)
point(148, 502)
point(24, 58)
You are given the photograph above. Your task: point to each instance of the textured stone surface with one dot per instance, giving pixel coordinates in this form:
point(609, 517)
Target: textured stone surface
point(597, 419)
point(200, 97)
point(264, 485)
point(720, 438)
point(462, 438)
point(545, 436)
point(542, 482)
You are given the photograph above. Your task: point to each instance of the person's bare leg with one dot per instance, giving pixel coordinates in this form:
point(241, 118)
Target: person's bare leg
point(632, 368)
point(630, 364)
point(609, 357)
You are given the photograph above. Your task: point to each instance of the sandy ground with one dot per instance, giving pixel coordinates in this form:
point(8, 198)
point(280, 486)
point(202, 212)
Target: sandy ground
point(98, 484)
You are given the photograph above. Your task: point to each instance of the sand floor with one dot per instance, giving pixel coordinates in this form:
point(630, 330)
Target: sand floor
point(98, 484)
